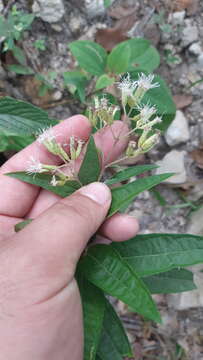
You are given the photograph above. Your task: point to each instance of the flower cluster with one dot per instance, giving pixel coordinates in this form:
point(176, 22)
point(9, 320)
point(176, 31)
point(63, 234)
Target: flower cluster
point(102, 112)
point(60, 173)
point(132, 93)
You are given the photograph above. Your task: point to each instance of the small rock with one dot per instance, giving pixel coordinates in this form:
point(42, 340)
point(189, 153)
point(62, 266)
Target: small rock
point(177, 17)
point(76, 23)
point(178, 131)
point(50, 11)
point(195, 225)
point(189, 299)
point(190, 33)
point(200, 60)
point(195, 49)
point(57, 95)
point(94, 7)
point(57, 27)
point(173, 162)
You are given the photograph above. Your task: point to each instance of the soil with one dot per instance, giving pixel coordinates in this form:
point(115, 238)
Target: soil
point(181, 334)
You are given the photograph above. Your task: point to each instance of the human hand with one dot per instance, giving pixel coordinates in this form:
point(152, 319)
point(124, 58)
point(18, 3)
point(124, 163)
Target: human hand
point(41, 316)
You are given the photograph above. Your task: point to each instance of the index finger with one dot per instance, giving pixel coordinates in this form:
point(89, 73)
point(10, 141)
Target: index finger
point(17, 197)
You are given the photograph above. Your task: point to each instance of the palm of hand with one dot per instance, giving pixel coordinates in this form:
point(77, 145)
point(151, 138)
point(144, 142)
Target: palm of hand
point(42, 316)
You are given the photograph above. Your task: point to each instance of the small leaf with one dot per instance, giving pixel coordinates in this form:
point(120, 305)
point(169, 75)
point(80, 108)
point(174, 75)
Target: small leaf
point(103, 266)
point(143, 56)
point(22, 224)
point(91, 167)
point(21, 70)
point(114, 343)
point(43, 180)
point(93, 303)
point(21, 118)
point(10, 142)
point(128, 173)
point(78, 79)
point(19, 55)
point(103, 81)
point(90, 56)
point(155, 253)
point(118, 59)
point(173, 281)
point(123, 194)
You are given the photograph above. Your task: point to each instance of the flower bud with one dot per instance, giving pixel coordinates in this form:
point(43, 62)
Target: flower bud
point(149, 143)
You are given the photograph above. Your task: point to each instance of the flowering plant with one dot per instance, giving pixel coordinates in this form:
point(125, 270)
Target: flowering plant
point(133, 270)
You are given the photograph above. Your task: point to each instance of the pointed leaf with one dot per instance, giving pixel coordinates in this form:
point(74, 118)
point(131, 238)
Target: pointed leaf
point(103, 266)
point(20, 69)
point(114, 342)
point(123, 194)
point(93, 303)
point(90, 168)
point(119, 58)
point(155, 253)
point(22, 224)
point(78, 79)
point(103, 81)
point(173, 281)
point(90, 56)
point(21, 118)
point(128, 173)
point(43, 180)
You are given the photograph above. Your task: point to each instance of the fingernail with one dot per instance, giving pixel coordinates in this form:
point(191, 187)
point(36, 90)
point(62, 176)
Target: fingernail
point(97, 192)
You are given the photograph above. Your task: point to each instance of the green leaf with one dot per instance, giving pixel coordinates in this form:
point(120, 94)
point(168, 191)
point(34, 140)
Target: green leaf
point(128, 173)
point(104, 267)
point(103, 81)
point(91, 167)
point(10, 142)
point(119, 58)
point(114, 343)
point(155, 253)
point(3, 27)
point(26, 20)
point(21, 118)
point(43, 180)
point(93, 303)
point(160, 97)
point(90, 56)
point(123, 194)
point(19, 55)
point(79, 80)
point(173, 281)
point(22, 224)
point(143, 55)
point(21, 70)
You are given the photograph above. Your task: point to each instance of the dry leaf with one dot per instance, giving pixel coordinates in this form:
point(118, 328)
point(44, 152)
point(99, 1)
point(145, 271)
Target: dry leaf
point(182, 100)
point(118, 12)
point(31, 88)
point(190, 5)
point(197, 156)
point(110, 37)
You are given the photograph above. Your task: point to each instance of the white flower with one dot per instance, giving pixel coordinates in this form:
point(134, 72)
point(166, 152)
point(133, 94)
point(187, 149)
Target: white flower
point(34, 166)
point(46, 135)
point(54, 182)
point(146, 112)
point(127, 86)
point(145, 82)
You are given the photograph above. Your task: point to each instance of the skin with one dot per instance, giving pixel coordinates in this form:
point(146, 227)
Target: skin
point(41, 315)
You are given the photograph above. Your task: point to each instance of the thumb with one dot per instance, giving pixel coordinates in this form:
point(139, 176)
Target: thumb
point(56, 239)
